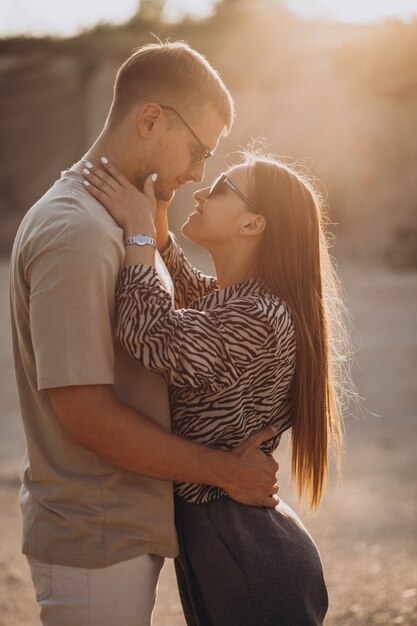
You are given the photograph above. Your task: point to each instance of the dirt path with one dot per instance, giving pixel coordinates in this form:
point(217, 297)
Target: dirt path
point(366, 528)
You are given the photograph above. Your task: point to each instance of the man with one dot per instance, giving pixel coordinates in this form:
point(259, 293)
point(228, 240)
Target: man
point(97, 494)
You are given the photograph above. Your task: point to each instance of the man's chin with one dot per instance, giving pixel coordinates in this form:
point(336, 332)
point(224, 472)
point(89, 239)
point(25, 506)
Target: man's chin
point(164, 195)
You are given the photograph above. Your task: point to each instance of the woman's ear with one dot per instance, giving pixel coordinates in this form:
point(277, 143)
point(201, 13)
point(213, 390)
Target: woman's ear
point(146, 119)
point(253, 226)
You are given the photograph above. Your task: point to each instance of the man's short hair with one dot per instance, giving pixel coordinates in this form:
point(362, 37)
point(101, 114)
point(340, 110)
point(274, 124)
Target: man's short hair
point(173, 74)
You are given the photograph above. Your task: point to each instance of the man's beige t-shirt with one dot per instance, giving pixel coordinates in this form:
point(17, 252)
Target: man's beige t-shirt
point(78, 509)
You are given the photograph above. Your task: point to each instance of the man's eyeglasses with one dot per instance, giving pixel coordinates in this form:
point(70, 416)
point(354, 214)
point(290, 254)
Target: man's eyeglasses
point(223, 181)
point(205, 152)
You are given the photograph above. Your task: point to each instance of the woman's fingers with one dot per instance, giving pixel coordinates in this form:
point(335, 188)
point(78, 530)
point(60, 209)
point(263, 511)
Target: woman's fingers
point(114, 172)
point(125, 203)
point(95, 182)
point(102, 175)
point(149, 187)
point(97, 193)
point(107, 202)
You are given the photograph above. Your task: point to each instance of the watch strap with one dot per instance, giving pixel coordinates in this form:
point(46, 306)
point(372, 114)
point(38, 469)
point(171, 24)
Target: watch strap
point(140, 240)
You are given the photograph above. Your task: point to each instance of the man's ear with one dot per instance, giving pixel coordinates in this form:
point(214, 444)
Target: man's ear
point(147, 116)
point(253, 226)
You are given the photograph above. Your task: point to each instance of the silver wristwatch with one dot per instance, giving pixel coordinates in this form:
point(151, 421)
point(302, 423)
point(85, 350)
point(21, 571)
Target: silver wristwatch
point(140, 240)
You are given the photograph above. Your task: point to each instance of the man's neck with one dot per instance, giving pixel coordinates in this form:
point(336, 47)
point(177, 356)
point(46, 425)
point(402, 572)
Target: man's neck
point(109, 144)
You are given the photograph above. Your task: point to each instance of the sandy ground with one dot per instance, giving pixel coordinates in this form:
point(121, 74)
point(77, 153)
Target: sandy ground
point(366, 527)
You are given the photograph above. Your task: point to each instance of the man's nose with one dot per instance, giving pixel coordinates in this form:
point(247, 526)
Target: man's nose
point(196, 171)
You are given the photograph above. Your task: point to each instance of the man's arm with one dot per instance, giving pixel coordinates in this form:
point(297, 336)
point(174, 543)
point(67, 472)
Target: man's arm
point(93, 417)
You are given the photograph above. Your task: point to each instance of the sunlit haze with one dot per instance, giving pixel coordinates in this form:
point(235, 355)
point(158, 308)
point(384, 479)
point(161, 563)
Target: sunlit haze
point(355, 11)
point(41, 17)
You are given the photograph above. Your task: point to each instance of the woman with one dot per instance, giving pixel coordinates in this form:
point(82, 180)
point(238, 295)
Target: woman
point(252, 347)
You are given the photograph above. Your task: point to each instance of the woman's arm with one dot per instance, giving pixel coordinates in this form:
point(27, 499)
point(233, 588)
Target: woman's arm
point(141, 213)
point(208, 350)
point(189, 283)
point(161, 226)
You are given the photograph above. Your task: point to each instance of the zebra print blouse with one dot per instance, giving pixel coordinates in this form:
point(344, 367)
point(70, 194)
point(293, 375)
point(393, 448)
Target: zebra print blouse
point(228, 355)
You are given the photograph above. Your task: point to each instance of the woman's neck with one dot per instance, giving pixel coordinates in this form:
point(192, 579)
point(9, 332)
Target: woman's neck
point(234, 266)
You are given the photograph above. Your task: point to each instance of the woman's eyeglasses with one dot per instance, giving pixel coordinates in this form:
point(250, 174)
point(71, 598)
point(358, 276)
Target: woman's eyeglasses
point(223, 181)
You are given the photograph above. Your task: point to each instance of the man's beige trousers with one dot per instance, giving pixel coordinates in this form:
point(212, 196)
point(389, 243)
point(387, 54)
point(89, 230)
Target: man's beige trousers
point(119, 595)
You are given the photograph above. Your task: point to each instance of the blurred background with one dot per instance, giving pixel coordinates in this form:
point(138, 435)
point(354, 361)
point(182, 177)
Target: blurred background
point(331, 84)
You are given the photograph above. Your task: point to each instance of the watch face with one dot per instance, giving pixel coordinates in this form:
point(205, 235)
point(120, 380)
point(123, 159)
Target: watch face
point(141, 240)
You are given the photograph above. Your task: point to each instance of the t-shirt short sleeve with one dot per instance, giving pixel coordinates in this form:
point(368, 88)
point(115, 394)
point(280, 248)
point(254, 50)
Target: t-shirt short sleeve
point(71, 317)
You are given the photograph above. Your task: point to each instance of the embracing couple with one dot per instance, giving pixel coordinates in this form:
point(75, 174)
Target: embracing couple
point(136, 371)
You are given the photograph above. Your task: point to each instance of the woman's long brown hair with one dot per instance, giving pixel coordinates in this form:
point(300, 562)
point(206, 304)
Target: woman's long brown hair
point(296, 263)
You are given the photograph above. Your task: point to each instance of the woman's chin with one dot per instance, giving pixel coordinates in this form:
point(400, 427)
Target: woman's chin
point(187, 230)
point(191, 233)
